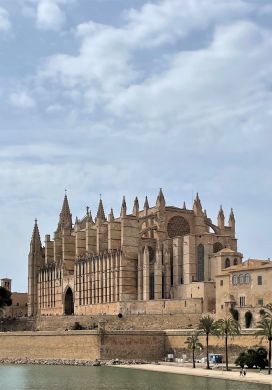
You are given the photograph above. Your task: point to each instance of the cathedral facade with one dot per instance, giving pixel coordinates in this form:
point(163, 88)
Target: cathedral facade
point(161, 259)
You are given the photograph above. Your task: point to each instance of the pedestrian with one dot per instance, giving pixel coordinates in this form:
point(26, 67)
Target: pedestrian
point(244, 372)
point(241, 372)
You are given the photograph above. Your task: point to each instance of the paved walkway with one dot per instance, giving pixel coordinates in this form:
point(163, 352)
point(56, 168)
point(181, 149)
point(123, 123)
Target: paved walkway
point(216, 373)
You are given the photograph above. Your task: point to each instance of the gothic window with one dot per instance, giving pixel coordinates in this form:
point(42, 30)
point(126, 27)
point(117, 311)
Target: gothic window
point(151, 255)
point(235, 261)
point(200, 263)
point(234, 280)
point(246, 278)
point(217, 246)
point(163, 286)
point(227, 263)
point(241, 279)
point(151, 286)
point(178, 226)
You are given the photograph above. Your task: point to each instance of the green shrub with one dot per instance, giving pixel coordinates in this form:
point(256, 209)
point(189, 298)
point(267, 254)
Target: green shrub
point(77, 326)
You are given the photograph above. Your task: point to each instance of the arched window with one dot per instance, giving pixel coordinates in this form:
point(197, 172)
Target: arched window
point(246, 278)
point(200, 263)
point(151, 255)
point(234, 280)
point(235, 261)
point(217, 246)
point(163, 285)
point(227, 263)
point(241, 279)
point(151, 286)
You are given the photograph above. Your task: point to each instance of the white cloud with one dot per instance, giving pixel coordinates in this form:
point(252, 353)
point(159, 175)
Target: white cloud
point(49, 15)
point(21, 99)
point(5, 24)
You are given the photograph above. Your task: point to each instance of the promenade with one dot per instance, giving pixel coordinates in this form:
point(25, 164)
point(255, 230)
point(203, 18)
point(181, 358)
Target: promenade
point(255, 377)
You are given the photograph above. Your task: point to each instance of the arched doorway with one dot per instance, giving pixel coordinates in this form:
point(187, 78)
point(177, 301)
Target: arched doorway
point(69, 302)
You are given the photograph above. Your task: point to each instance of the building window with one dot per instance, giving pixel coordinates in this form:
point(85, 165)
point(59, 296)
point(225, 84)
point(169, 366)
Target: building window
point(200, 263)
point(222, 306)
point(221, 282)
point(242, 301)
point(234, 279)
point(260, 280)
point(235, 261)
point(260, 302)
point(246, 279)
point(227, 263)
point(241, 279)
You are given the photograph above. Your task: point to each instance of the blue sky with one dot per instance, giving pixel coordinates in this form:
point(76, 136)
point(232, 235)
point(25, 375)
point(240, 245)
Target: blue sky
point(122, 97)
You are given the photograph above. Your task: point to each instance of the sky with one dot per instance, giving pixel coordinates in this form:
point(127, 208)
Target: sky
point(122, 97)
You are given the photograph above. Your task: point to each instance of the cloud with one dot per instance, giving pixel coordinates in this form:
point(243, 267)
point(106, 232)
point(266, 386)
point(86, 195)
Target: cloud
point(21, 99)
point(5, 24)
point(49, 15)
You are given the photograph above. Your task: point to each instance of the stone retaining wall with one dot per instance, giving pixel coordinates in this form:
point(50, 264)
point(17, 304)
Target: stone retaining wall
point(91, 345)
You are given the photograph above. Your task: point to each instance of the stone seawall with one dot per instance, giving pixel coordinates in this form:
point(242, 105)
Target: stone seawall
point(82, 345)
point(104, 345)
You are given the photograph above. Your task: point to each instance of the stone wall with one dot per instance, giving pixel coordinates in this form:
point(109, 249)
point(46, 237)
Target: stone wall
point(82, 345)
point(175, 343)
point(101, 344)
point(126, 322)
point(50, 345)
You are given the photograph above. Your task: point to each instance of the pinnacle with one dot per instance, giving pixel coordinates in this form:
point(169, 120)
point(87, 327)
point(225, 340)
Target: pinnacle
point(100, 212)
point(146, 204)
point(160, 199)
point(65, 219)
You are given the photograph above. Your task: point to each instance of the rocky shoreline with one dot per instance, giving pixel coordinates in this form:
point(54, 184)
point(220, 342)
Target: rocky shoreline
point(65, 362)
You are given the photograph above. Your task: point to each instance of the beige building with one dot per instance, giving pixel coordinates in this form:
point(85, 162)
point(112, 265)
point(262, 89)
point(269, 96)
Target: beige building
point(19, 301)
point(245, 287)
point(158, 259)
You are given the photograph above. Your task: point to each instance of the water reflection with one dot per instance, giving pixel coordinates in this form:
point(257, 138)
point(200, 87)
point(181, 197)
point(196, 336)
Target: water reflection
point(74, 378)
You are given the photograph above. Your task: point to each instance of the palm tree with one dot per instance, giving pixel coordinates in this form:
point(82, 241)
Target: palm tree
point(5, 298)
point(265, 331)
point(208, 325)
point(227, 327)
point(193, 344)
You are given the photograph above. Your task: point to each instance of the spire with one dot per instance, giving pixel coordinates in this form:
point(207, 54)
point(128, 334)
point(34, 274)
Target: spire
point(111, 216)
point(231, 217)
point(197, 207)
point(184, 206)
point(65, 220)
point(124, 207)
point(205, 213)
point(221, 218)
point(100, 212)
point(232, 220)
point(136, 207)
point(35, 244)
point(160, 202)
point(146, 205)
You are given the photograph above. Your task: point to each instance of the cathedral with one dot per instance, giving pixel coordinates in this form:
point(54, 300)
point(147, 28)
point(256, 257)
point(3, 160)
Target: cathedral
point(159, 260)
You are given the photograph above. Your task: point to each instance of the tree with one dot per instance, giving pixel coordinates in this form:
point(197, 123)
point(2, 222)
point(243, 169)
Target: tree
point(193, 344)
point(228, 327)
point(5, 298)
point(265, 331)
point(252, 357)
point(208, 325)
